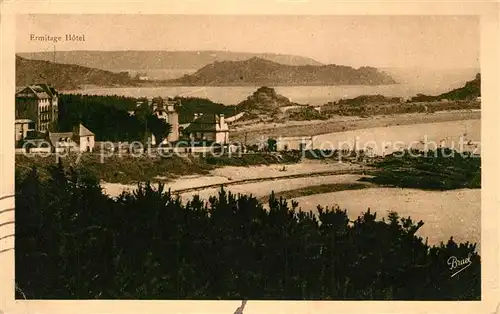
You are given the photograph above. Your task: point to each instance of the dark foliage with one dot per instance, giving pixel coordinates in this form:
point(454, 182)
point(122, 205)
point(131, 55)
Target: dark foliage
point(192, 105)
point(441, 169)
point(306, 113)
point(371, 109)
point(73, 242)
point(258, 71)
point(369, 99)
point(108, 117)
point(67, 76)
point(127, 169)
point(469, 91)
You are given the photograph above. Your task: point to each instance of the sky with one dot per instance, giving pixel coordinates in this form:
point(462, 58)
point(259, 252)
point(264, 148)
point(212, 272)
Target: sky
point(379, 41)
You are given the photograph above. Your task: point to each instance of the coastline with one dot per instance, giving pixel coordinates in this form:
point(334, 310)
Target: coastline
point(346, 123)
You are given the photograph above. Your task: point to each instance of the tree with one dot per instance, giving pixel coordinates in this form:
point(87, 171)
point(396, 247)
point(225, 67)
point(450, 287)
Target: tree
point(271, 144)
point(75, 242)
point(159, 128)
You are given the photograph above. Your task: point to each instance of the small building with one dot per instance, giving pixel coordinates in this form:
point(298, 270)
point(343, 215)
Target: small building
point(63, 141)
point(38, 103)
point(24, 128)
point(85, 139)
point(81, 139)
point(209, 128)
point(166, 110)
point(294, 143)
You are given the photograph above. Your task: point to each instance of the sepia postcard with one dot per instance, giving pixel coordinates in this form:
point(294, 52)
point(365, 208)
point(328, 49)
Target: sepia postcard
point(231, 157)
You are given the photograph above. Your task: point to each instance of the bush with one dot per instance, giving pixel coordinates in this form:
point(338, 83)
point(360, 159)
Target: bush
point(73, 242)
point(441, 169)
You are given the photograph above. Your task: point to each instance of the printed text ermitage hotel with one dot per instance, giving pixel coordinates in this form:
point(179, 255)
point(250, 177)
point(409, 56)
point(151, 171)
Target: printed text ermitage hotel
point(56, 39)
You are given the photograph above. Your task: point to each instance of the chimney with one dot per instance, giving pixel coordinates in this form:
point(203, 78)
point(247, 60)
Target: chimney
point(221, 119)
point(195, 116)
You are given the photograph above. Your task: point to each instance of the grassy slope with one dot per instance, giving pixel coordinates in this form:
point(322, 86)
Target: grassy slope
point(128, 169)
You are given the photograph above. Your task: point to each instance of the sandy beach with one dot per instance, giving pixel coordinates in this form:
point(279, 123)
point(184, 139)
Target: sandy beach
point(227, 175)
point(455, 213)
point(342, 123)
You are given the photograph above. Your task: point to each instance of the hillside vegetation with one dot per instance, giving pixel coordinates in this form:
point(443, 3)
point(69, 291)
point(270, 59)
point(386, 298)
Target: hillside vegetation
point(469, 91)
point(265, 101)
point(258, 71)
point(126, 169)
point(66, 76)
point(368, 105)
point(175, 60)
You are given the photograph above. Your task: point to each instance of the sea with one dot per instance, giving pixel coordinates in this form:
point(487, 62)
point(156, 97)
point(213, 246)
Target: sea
point(410, 83)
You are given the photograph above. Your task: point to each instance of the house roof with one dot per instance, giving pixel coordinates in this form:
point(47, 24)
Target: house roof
point(83, 131)
point(235, 117)
point(206, 122)
point(40, 91)
point(37, 141)
point(23, 121)
point(51, 91)
point(55, 137)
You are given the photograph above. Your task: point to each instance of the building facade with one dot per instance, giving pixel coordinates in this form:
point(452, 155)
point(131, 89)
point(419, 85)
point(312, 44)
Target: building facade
point(209, 128)
point(81, 139)
point(24, 128)
point(167, 110)
point(86, 139)
point(38, 103)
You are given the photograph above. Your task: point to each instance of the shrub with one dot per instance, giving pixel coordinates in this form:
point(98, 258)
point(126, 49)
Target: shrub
point(73, 242)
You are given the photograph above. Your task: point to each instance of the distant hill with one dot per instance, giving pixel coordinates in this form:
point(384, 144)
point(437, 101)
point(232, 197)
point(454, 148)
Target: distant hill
point(66, 76)
point(258, 71)
point(141, 60)
point(471, 90)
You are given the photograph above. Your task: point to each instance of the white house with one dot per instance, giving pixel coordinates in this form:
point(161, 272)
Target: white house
point(81, 139)
point(86, 139)
point(23, 128)
point(209, 127)
point(166, 110)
